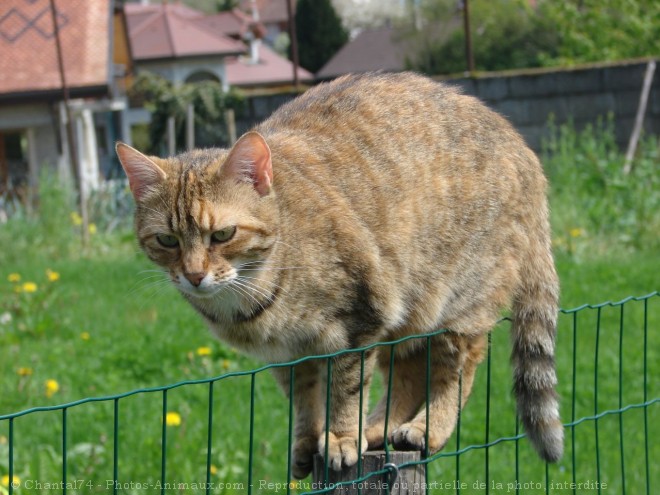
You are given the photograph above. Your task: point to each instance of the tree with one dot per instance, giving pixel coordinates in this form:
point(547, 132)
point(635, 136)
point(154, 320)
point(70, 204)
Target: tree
point(319, 31)
point(597, 30)
point(224, 5)
point(509, 34)
point(506, 34)
point(165, 100)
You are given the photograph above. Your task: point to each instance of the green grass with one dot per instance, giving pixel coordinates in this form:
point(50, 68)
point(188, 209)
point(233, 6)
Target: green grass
point(108, 326)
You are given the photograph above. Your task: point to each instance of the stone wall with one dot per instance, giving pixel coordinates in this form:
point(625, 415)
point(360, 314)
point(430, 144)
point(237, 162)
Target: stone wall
point(529, 98)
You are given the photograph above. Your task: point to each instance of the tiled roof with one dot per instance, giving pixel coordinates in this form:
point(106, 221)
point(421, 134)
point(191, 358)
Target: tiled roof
point(28, 55)
point(166, 31)
point(270, 11)
point(272, 69)
point(231, 23)
point(371, 50)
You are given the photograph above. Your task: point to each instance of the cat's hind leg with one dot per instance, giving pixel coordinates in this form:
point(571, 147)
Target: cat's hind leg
point(454, 359)
point(351, 373)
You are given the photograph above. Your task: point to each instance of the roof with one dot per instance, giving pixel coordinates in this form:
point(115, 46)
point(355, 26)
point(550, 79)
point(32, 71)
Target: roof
point(29, 62)
point(371, 50)
point(270, 11)
point(167, 31)
point(272, 69)
point(234, 23)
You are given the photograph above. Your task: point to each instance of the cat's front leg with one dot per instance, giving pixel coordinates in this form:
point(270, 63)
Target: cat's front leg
point(309, 414)
point(350, 374)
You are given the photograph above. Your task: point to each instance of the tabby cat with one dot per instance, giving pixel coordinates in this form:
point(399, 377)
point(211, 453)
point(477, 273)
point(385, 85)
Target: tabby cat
point(369, 208)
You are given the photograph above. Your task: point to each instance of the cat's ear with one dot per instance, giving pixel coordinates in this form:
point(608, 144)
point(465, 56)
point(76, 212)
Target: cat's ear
point(142, 171)
point(250, 161)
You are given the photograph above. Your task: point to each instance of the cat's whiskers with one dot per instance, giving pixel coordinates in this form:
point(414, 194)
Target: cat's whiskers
point(273, 268)
point(152, 271)
point(156, 292)
point(159, 286)
point(254, 288)
point(263, 265)
point(245, 292)
point(158, 274)
point(149, 285)
point(277, 286)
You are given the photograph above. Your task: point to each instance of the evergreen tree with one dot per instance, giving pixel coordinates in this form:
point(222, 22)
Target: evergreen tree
point(319, 31)
point(225, 5)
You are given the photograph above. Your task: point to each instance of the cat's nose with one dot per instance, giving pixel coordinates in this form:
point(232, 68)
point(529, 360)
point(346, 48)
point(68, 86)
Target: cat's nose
point(195, 278)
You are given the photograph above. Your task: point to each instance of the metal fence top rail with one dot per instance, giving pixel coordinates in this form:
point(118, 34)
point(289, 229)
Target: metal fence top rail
point(288, 364)
point(610, 303)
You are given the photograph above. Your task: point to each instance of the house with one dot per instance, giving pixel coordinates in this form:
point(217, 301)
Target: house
point(371, 50)
point(273, 14)
point(32, 111)
point(185, 45)
point(168, 40)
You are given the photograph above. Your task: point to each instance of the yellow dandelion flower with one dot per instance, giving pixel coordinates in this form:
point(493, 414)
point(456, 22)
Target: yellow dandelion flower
point(52, 276)
point(213, 469)
point(576, 232)
point(14, 277)
point(76, 219)
point(24, 371)
point(173, 419)
point(225, 364)
point(30, 287)
point(51, 387)
point(203, 351)
point(16, 481)
point(85, 336)
point(92, 228)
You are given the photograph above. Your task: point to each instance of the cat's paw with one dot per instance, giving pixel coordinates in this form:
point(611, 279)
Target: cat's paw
point(303, 456)
point(342, 449)
point(412, 436)
point(374, 434)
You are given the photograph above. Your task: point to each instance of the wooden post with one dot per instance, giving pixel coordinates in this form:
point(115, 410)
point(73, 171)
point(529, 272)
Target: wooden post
point(639, 118)
point(190, 126)
point(230, 120)
point(171, 136)
point(408, 481)
point(73, 152)
point(33, 169)
point(469, 55)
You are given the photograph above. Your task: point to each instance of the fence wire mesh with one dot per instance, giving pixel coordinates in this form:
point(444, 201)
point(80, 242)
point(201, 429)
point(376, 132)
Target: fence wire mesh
point(607, 361)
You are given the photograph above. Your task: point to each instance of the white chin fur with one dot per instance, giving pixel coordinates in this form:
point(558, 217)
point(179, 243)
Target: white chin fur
point(208, 288)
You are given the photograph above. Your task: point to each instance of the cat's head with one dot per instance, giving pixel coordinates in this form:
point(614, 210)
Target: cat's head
point(205, 214)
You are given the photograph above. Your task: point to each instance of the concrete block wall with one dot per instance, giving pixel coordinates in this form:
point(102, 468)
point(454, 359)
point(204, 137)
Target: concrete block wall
point(582, 94)
point(529, 98)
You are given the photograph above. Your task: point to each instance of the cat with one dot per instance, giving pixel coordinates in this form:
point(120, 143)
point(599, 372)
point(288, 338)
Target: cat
point(369, 208)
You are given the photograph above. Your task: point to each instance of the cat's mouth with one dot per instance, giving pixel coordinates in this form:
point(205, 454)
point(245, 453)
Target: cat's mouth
point(207, 288)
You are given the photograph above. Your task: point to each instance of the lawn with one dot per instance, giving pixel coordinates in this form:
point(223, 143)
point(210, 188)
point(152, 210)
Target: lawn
point(97, 322)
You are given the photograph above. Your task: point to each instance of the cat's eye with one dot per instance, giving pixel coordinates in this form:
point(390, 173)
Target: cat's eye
point(223, 235)
point(167, 240)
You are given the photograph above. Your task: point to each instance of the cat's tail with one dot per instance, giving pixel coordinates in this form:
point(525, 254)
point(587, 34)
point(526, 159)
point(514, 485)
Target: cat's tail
point(534, 328)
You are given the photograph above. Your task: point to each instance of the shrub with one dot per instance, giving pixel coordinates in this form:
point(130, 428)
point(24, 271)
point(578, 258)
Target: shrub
point(591, 195)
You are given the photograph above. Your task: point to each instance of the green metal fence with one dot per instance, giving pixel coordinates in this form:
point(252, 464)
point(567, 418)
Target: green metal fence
point(608, 363)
